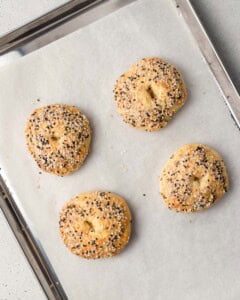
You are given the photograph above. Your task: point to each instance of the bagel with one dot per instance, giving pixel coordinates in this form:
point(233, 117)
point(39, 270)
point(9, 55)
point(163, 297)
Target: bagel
point(95, 225)
point(150, 93)
point(58, 137)
point(193, 179)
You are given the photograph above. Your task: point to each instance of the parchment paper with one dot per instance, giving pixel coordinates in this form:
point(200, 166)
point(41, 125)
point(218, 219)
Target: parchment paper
point(170, 256)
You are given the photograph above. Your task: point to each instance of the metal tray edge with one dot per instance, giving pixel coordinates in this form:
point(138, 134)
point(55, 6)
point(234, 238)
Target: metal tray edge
point(47, 22)
point(209, 53)
point(30, 246)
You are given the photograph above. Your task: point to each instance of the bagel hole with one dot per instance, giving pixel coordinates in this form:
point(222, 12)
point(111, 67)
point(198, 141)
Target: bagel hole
point(88, 226)
point(196, 179)
point(150, 92)
point(55, 138)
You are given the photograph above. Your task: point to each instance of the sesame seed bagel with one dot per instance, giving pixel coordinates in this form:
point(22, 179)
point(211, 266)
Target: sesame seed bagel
point(193, 179)
point(150, 93)
point(58, 137)
point(95, 225)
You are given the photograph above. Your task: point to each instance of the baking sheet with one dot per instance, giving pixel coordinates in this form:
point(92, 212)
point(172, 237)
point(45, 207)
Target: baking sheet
point(170, 256)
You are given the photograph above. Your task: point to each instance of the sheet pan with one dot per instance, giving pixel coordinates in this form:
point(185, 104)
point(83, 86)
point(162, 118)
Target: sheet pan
point(170, 256)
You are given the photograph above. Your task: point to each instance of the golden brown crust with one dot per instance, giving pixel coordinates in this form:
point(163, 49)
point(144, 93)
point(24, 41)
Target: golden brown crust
point(95, 225)
point(193, 179)
point(150, 93)
point(58, 137)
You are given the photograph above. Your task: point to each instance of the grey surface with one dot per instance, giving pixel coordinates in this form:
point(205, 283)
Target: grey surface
point(16, 13)
point(221, 18)
point(222, 22)
point(17, 280)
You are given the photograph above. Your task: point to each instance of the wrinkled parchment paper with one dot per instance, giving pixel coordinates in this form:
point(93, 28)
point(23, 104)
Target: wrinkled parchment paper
point(170, 256)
